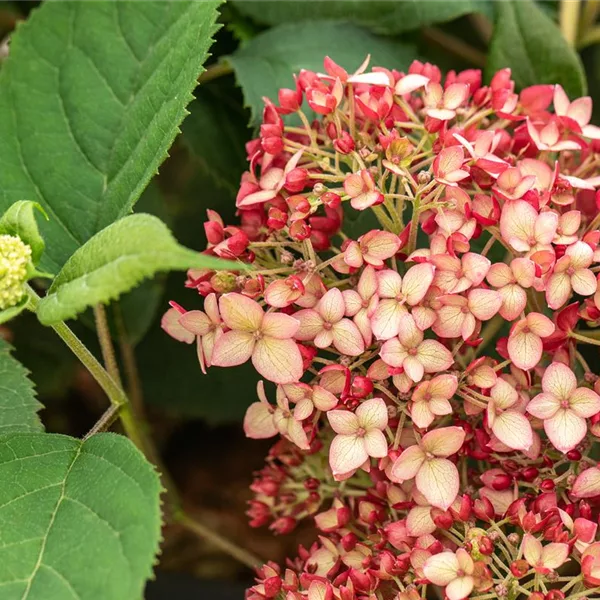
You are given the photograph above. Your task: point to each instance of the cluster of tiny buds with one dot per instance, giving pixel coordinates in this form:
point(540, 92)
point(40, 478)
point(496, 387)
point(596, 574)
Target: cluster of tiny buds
point(15, 258)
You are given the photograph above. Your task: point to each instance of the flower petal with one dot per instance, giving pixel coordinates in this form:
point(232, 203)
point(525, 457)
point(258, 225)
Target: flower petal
point(344, 422)
point(170, 323)
point(513, 429)
point(240, 312)
point(525, 349)
point(347, 338)
point(258, 422)
point(279, 325)
point(331, 306)
point(484, 304)
point(372, 414)
point(460, 588)
point(346, 453)
point(543, 406)
point(587, 484)
point(532, 549)
point(434, 357)
point(233, 348)
point(407, 465)
point(559, 381)
point(443, 442)
point(565, 429)
point(376, 444)
point(441, 568)
point(386, 319)
point(279, 361)
point(417, 281)
point(585, 402)
point(311, 324)
point(419, 521)
point(554, 555)
point(438, 481)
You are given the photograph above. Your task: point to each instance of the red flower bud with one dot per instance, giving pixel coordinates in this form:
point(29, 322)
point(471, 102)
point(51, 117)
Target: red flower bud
point(519, 567)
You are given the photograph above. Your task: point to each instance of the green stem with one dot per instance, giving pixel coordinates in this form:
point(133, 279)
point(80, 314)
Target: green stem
point(106, 345)
point(589, 38)
point(105, 381)
point(584, 339)
point(454, 45)
point(243, 556)
point(215, 71)
point(569, 20)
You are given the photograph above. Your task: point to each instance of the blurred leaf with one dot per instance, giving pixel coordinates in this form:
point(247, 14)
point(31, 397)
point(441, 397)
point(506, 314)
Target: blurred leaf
point(114, 261)
point(529, 42)
point(381, 17)
point(91, 97)
point(215, 132)
point(80, 519)
point(268, 62)
point(18, 403)
point(46, 356)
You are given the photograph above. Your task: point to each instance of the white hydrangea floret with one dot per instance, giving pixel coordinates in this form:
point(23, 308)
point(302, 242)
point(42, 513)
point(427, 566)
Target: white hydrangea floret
point(14, 258)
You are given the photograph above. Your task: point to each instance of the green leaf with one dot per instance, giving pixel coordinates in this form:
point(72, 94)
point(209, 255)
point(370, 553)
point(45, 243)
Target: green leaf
point(80, 520)
point(115, 261)
point(18, 404)
point(269, 61)
point(19, 220)
point(379, 16)
point(528, 41)
point(91, 97)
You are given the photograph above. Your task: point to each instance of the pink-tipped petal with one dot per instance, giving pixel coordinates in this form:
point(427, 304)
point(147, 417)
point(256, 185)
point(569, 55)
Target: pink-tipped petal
point(434, 357)
point(346, 453)
point(565, 429)
point(587, 484)
point(258, 422)
point(513, 429)
point(559, 380)
point(407, 465)
point(347, 338)
point(443, 442)
point(279, 325)
point(240, 312)
point(372, 414)
point(277, 360)
point(438, 481)
point(525, 349)
point(441, 568)
point(376, 444)
point(233, 348)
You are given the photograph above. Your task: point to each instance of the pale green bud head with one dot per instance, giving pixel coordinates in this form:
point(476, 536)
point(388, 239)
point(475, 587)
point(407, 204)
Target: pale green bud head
point(15, 256)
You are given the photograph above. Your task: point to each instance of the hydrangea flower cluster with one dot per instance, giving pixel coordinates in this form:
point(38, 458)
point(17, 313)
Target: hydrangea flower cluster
point(425, 254)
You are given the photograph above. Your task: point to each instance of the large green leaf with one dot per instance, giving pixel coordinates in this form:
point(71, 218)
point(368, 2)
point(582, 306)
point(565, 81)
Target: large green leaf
point(90, 101)
point(269, 61)
point(18, 404)
point(528, 41)
point(382, 17)
point(114, 261)
point(79, 520)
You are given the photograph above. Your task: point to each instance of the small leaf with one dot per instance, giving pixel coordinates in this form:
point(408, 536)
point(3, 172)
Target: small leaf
point(116, 260)
point(18, 404)
point(80, 520)
point(269, 61)
point(527, 40)
point(10, 313)
point(91, 97)
point(381, 17)
point(19, 220)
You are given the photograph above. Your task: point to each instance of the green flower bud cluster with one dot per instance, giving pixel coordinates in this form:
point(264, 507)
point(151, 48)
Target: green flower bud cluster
point(15, 257)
